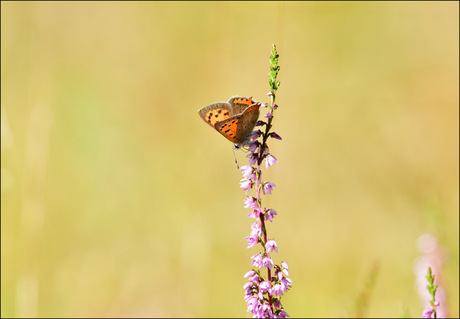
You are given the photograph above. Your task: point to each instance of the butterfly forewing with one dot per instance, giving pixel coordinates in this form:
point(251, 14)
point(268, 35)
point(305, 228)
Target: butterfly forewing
point(229, 128)
point(215, 112)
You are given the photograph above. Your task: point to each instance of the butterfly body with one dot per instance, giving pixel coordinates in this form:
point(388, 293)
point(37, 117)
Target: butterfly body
point(234, 119)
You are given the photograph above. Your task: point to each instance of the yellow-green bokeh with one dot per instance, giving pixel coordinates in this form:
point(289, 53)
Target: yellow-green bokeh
point(117, 200)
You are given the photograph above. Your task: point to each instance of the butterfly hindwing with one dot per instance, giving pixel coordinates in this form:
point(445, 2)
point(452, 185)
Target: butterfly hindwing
point(240, 103)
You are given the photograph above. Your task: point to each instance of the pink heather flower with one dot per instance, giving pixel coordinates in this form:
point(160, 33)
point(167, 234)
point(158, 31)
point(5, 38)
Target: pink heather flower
point(256, 134)
point(270, 160)
point(252, 304)
point(255, 279)
point(252, 158)
point(269, 214)
point(267, 187)
point(252, 240)
point(276, 303)
point(260, 295)
point(271, 245)
point(247, 295)
point(252, 146)
point(267, 262)
point(428, 313)
point(255, 213)
point(285, 283)
point(282, 314)
point(250, 202)
point(257, 261)
point(280, 275)
point(249, 274)
point(256, 229)
point(277, 290)
point(266, 152)
point(286, 272)
point(248, 285)
point(248, 172)
point(246, 184)
point(285, 265)
point(263, 105)
point(267, 311)
point(274, 135)
point(257, 310)
point(264, 286)
point(258, 313)
point(269, 114)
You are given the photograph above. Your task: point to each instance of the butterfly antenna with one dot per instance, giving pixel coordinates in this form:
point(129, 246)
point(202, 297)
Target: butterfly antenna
point(235, 146)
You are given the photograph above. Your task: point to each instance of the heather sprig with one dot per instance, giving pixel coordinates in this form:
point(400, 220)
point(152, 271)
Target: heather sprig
point(431, 287)
point(362, 302)
point(432, 295)
point(263, 292)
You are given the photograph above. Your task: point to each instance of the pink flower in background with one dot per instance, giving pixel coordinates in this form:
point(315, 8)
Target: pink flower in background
point(270, 160)
point(252, 240)
point(271, 245)
point(267, 187)
point(246, 184)
point(264, 286)
point(269, 214)
point(248, 172)
point(250, 202)
point(256, 229)
point(257, 261)
point(255, 213)
point(267, 262)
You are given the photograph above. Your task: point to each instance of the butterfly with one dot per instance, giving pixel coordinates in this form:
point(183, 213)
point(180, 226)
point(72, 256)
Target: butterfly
point(234, 119)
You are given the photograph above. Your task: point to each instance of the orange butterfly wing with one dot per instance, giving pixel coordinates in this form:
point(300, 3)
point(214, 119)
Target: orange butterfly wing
point(238, 128)
point(229, 128)
point(215, 112)
point(234, 119)
point(240, 103)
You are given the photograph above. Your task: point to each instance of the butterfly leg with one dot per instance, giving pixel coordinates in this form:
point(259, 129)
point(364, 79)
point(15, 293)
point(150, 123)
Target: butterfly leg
point(236, 146)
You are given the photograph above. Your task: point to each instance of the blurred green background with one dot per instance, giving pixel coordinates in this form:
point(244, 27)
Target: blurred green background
point(118, 200)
